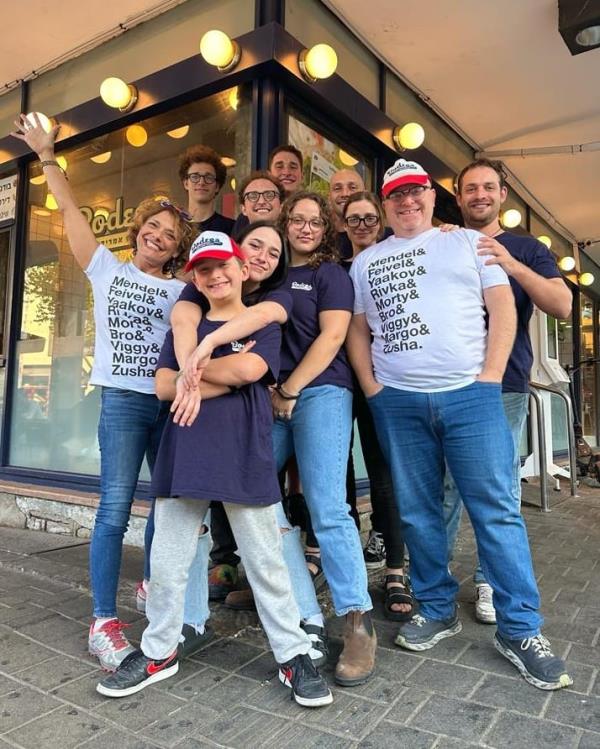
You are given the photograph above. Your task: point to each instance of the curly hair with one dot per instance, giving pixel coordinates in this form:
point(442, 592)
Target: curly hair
point(184, 231)
point(202, 155)
point(371, 198)
point(327, 251)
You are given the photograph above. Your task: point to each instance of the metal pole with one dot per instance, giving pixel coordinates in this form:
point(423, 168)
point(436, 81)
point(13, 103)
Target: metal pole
point(545, 506)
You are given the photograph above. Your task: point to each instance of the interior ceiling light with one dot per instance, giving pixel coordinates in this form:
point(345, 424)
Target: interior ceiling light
point(227, 161)
point(51, 203)
point(101, 158)
point(579, 24)
point(233, 183)
point(567, 263)
point(101, 212)
point(234, 99)
point(136, 136)
point(511, 218)
point(179, 132)
point(586, 279)
point(44, 121)
point(318, 62)
point(408, 137)
point(219, 50)
point(544, 239)
point(346, 159)
point(41, 212)
point(117, 94)
point(38, 180)
point(62, 162)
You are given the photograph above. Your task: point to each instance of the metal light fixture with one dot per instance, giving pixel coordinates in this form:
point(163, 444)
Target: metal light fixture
point(408, 137)
point(101, 158)
point(136, 136)
point(586, 279)
point(117, 94)
point(511, 218)
point(579, 24)
point(219, 50)
point(179, 132)
point(544, 239)
point(318, 62)
point(567, 263)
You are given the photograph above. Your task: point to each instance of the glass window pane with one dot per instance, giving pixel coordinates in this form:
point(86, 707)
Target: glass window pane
point(588, 374)
point(55, 410)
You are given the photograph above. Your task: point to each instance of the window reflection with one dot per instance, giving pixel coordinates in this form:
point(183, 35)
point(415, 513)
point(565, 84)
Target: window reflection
point(588, 374)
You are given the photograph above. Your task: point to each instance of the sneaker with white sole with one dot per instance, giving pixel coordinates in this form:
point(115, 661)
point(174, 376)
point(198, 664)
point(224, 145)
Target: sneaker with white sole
point(421, 633)
point(309, 688)
point(374, 551)
point(141, 594)
point(319, 651)
point(535, 661)
point(108, 643)
point(484, 605)
point(137, 672)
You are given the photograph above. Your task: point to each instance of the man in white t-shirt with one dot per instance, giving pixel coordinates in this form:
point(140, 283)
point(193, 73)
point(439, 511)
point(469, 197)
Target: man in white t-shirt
point(432, 376)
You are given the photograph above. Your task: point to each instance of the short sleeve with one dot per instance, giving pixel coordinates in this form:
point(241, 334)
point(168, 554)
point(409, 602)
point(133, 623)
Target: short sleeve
point(102, 265)
point(542, 261)
point(167, 358)
point(490, 275)
point(356, 276)
point(281, 297)
point(268, 346)
point(191, 294)
point(334, 288)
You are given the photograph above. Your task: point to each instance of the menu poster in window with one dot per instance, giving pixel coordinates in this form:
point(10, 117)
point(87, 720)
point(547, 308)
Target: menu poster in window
point(8, 198)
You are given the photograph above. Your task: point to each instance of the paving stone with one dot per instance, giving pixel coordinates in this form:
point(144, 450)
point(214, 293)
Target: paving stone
point(244, 729)
point(579, 633)
point(347, 715)
point(189, 685)
point(588, 615)
point(63, 634)
point(82, 692)
point(180, 724)
point(113, 738)
point(273, 697)
point(70, 723)
point(514, 731)
point(582, 654)
point(7, 684)
point(260, 669)
point(445, 678)
point(486, 658)
point(583, 676)
point(23, 704)
point(406, 704)
point(510, 694)
point(456, 718)
point(302, 737)
point(139, 710)
point(222, 655)
point(21, 612)
point(17, 652)
point(575, 710)
point(444, 742)
point(395, 665)
point(54, 672)
point(377, 689)
point(391, 735)
point(589, 740)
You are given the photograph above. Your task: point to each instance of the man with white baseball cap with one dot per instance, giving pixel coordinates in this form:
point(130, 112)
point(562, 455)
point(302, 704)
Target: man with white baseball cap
point(432, 375)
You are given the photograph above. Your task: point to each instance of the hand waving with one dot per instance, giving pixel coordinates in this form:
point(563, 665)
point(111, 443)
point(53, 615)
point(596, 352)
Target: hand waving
point(30, 130)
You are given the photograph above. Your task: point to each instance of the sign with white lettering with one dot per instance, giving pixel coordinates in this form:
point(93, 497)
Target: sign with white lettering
point(8, 198)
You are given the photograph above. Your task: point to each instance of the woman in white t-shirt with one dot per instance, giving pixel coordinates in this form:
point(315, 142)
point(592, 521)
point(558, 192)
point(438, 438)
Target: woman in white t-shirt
point(132, 303)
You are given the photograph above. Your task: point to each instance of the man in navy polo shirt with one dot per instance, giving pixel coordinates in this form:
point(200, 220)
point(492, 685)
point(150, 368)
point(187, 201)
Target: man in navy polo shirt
point(535, 279)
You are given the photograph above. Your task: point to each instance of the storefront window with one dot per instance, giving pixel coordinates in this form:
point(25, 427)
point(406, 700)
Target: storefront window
point(55, 409)
point(588, 374)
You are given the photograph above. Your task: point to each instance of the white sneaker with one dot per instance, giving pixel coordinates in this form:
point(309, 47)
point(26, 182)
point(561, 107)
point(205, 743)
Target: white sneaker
point(108, 643)
point(484, 607)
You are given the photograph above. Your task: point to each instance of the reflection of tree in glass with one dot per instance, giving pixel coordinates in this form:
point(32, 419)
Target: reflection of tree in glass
point(41, 292)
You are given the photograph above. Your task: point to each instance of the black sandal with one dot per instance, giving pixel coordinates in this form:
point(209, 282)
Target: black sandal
point(317, 577)
point(397, 594)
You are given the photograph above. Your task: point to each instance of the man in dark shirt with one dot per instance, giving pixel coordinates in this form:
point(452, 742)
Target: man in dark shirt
point(535, 279)
point(203, 174)
point(341, 186)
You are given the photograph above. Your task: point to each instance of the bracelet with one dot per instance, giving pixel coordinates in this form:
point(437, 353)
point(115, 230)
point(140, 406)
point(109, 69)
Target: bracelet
point(286, 396)
point(53, 162)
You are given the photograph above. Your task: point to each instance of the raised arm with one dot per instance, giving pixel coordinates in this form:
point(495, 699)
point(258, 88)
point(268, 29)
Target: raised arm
point(502, 326)
point(82, 241)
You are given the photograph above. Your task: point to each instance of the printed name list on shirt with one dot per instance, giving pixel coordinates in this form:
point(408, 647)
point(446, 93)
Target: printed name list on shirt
point(394, 284)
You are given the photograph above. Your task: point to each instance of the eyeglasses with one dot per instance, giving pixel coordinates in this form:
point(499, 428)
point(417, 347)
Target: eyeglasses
point(195, 177)
point(299, 223)
point(370, 220)
point(179, 211)
point(415, 192)
point(268, 196)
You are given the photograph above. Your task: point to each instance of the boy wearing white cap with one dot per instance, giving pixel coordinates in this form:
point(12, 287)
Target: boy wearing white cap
point(225, 455)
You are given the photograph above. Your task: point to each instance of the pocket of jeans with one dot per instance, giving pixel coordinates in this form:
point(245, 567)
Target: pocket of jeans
point(371, 398)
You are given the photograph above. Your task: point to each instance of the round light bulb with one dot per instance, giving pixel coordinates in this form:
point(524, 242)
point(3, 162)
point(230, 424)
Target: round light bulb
point(44, 121)
point(41, 212)
point(227, 161)
point(320, 61)
point(234, 99)
point(62, 162)
point(411, 136)
point(233, 183)
point(51, 203)
point(101, 158)
point(346, 159)
point(116, 93)
point(567, 263)
point(544, 239)
point(586, 279)
point(217, 48)
point(39, 180)
point(179, 132)
point(101, 212)
point(136, 136)
point(511, 218)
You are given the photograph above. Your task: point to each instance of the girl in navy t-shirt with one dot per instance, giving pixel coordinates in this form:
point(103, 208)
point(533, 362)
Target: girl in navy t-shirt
point(313, 416)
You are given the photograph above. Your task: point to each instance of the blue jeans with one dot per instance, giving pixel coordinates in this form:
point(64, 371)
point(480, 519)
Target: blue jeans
point(515, 408)
point(130, 427)
point(467, 428)
point(319, 434)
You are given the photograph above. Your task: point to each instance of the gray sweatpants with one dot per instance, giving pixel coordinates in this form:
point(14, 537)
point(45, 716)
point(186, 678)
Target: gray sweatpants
point(256, 531)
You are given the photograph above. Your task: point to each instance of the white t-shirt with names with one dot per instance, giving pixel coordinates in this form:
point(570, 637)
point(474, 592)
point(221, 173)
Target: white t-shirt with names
point(423, 301)
point(131, 312)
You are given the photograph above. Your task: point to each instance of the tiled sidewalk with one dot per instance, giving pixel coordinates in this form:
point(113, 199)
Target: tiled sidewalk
point(460, 694)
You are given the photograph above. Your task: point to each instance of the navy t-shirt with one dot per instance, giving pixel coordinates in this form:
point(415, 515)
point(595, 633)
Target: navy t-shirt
point(536, 256)
point(227, 453)
point(216, 222)
point(315, 290)
point(280, 295)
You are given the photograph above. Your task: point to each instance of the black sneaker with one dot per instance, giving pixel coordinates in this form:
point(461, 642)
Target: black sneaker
point(374, 551)
point(309, 688)
point(421, 634)
point(535, 660)
point(192, 640)
point(137, 672)
point(320, 643)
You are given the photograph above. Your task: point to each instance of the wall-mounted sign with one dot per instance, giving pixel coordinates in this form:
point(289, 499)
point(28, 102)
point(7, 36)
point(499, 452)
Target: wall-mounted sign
point(110, 227)
point(8, 198)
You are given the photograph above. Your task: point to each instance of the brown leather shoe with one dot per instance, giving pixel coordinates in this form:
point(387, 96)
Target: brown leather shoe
point(357, 661)
point(241, 600)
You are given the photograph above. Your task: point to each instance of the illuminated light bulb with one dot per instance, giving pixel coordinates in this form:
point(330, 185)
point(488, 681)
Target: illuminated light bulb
point(233, 183)
point(117, 94)
point(101, 158)
point(44, 121)
point(408, 137)
point(159, 197)
point(567, 263)
point(234, 99)
point(39, 180)
point(62, 162)
point(136, 136)
point(586, 279)
point(346, 159)
point(544, 239)
point(51, 203)
point(318, 62)
point(511, 218)
point(219, 50)
point(101, 212)
point(41, 212)
point(227, 161)
point(179, 132)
